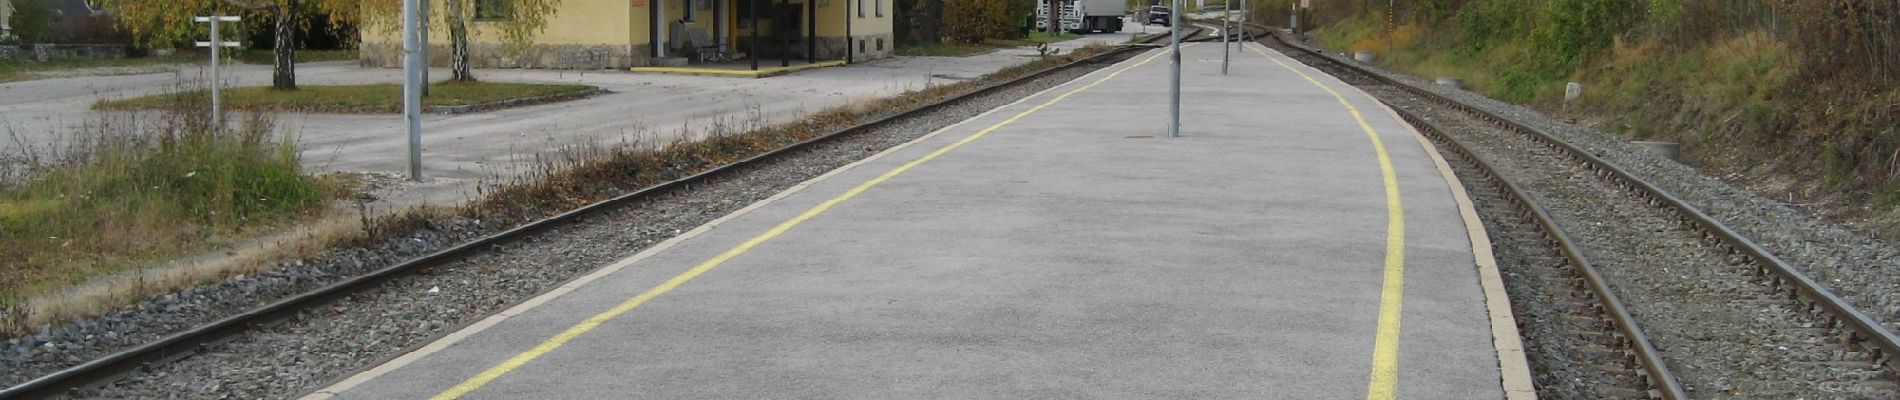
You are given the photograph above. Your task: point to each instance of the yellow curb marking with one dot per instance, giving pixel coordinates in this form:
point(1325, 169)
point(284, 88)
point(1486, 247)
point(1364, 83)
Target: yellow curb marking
point(564, 337)
point(1385, 349)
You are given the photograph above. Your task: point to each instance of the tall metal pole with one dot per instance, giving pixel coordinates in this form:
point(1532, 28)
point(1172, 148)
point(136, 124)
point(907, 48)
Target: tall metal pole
point(217, 46)
point(1055, 19)
point(1243, 22)
point(1225, 48)
point(422, 31)
point(752, 42)
point(811, 31)
point(778, 34)
point(411, 90)
point(1174, 88)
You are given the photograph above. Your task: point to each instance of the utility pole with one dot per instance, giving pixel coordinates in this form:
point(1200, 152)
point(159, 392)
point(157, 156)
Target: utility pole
point(1225, 48)
point(1174, 88)
point(422, 30)
point(1391, 16)
point(1055, 19)
point(412, 65)
point(217, 45)
point(1243, 22)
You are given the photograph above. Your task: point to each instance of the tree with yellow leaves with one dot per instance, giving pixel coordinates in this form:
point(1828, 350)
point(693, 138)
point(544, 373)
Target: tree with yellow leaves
point(165, 22)
point(517, 21)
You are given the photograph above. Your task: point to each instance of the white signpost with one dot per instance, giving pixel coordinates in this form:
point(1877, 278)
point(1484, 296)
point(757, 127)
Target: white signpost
point(216, 46)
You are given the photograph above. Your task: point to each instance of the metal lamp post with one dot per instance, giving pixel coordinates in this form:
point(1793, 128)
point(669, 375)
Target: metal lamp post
point(1174, 89)
point(1226, 49)
point(412, 65)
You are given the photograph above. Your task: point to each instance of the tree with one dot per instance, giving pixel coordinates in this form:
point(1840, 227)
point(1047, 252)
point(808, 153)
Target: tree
point(168, 22)
point(32, 20)
point(517, 21)
point(930, 18)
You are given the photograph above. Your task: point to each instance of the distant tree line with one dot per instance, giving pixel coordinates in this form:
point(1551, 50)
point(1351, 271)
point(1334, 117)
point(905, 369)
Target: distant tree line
point(961, 21)
point(1858, 37)
point(1832, 118)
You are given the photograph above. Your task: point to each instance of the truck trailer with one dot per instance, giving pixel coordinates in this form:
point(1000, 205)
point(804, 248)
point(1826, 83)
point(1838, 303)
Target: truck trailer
point(1084, 16)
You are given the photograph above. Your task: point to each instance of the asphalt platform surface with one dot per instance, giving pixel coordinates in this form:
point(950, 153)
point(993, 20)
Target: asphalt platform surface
point(1059, 247)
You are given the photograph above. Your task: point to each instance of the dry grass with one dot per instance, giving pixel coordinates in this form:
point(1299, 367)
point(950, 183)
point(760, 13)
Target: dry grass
point(125, 192)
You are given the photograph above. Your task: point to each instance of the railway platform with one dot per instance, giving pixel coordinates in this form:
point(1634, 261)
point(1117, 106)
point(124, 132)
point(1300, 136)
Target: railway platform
point(1297, 242)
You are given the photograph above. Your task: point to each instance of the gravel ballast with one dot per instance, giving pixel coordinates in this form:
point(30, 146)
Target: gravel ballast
point(1551, 305)
point(1853, 264)
point(319, 346)
point(1725, 334)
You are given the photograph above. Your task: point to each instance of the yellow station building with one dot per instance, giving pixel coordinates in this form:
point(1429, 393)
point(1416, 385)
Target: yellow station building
point(601, 34)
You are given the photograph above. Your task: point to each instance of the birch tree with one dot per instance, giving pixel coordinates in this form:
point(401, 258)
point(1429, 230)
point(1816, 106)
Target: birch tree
point(160, 23)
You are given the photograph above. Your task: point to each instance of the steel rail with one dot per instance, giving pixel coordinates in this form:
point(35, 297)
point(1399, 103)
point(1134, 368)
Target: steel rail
point(1640, 351)
point(1862, 329)
point(193, 341)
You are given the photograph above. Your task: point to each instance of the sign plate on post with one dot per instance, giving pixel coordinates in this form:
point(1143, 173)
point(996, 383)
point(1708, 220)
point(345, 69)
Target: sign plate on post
point(217, 114)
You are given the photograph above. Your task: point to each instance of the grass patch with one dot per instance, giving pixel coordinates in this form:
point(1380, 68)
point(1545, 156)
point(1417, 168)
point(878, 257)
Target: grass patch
point(123, 196)
point(21, 70)
point(1035, 38)
point(944, 50)
point(380, 98)
point(966, 49)
point(266, 57)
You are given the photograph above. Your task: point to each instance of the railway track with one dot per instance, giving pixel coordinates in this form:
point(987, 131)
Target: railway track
point(1578, 236)
point(207, 339)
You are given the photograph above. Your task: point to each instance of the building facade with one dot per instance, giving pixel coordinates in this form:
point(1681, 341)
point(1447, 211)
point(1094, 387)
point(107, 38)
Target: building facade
point(602, 34)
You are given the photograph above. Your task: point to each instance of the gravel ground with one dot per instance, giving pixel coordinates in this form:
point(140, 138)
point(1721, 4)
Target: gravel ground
point(1725, 335)
point(290, 358)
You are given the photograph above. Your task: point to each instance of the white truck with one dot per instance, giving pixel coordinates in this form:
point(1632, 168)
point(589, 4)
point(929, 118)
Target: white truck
point(1084, 16)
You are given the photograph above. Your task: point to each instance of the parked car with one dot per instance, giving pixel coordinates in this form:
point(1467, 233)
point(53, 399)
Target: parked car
point(1158, 15)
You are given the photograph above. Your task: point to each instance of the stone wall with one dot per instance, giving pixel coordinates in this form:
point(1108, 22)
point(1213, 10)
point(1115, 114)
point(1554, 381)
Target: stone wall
point(48, 52)
point(489, 55)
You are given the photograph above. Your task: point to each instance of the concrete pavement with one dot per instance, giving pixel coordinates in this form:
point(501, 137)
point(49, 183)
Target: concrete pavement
point(1059, 247)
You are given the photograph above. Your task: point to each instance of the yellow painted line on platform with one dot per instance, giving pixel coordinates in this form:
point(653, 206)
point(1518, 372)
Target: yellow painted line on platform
point(561, 339)
point(744, 73)
point(1385, 349)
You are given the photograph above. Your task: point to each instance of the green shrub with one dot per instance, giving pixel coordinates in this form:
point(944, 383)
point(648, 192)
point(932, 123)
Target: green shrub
point(32, 20)
point(976, 21)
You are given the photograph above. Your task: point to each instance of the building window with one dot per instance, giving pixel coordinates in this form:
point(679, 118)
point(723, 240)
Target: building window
point(879, 8)
point(686, 10)
point(492, 10)
point(860, 8)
